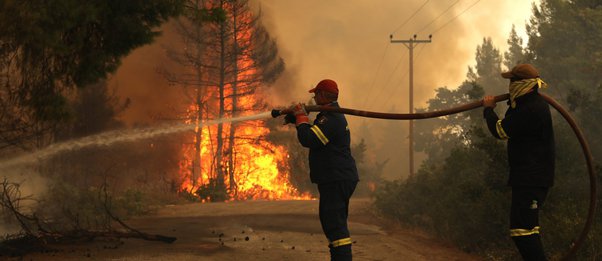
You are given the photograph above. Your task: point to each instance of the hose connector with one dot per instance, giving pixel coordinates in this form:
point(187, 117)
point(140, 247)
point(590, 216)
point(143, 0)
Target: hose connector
point(276, 112)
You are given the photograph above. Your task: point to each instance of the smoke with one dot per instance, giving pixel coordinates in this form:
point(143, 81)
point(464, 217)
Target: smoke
point(349, 43)
point(140, 80)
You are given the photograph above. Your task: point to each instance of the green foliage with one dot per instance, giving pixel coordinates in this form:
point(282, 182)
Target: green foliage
point(488, 68)
point(74, 207)
point(515, 54)
point(438, 136)
point(95, 109)
point(133, 202)
point(457, 199)
point(201, 15)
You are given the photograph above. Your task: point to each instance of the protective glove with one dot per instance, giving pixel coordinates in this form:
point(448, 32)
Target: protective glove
point(300, 114)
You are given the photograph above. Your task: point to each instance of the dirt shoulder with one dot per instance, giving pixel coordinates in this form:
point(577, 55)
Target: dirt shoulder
point(257, 230)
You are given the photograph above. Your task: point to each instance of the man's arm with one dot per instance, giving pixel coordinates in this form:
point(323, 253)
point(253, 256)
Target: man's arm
point(311, 136)
point(494, 124)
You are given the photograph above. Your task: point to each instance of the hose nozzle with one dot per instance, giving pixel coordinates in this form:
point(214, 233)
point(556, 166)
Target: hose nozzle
point(276, 113)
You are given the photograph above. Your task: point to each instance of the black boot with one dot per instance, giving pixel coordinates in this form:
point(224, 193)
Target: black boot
point(530, 247)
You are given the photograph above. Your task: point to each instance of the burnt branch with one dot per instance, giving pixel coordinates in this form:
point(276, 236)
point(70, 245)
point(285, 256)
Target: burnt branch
point(131, 232)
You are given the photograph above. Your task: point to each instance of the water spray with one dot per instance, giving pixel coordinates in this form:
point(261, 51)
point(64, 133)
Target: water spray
point(112, 137)
point(473, 105)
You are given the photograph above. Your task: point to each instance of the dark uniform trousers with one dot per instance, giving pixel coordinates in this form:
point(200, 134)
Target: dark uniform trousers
point(333, 168)
point(334, 209)
point(524, 221)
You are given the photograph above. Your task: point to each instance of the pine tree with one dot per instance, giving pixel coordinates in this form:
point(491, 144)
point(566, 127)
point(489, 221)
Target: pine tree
point(515, 54)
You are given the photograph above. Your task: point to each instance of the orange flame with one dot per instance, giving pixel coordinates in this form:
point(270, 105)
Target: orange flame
point(261, 169)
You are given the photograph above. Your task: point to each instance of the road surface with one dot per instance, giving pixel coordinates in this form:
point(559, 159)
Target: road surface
point(258, 230)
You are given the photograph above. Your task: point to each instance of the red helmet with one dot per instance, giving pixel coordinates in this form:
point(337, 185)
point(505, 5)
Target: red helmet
point(326, 85)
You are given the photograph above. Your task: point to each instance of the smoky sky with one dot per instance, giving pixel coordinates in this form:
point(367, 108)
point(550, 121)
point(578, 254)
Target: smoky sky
point(348, 41)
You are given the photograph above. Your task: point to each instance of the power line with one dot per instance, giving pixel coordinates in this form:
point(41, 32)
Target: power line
point(407, 20)
point(419, 51)
point(391, 95)
point(377, 71)
point(448, 8)
point(448, 22)
point(382, 58)
point(386, 102)
point(385, 85)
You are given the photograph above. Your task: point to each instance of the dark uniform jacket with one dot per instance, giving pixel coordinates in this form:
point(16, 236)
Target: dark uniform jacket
point(328, 140)
point(528, 128)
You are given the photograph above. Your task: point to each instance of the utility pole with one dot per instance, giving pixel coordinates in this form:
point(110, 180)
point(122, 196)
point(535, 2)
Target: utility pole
point(410, 44)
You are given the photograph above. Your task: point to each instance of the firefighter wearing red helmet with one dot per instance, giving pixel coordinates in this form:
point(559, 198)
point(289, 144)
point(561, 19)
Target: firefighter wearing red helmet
point(331, 165)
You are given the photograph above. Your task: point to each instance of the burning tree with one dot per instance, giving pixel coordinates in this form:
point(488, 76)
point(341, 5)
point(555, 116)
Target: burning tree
point(229, 56)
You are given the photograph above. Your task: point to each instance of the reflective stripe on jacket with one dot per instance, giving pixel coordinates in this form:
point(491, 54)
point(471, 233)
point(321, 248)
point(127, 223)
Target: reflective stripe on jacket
point(328, 140)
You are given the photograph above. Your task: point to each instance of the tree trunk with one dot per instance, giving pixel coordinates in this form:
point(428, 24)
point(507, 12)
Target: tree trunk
point(222, 79)
point(231, 163)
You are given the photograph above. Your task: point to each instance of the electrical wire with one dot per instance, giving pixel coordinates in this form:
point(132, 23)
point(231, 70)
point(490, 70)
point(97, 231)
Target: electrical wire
point(414, 14)
point(439, 16)
point(383, 87)
point(448, 22)
point(395, 90)
point(386, 102)
point(377, 71)
point(382, 58)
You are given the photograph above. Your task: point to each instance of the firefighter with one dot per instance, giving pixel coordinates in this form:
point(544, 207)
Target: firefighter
point(331, 165)
point(527, 126)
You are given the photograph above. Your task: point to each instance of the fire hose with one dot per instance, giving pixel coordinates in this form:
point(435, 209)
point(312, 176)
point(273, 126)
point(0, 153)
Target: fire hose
point(473, 105)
